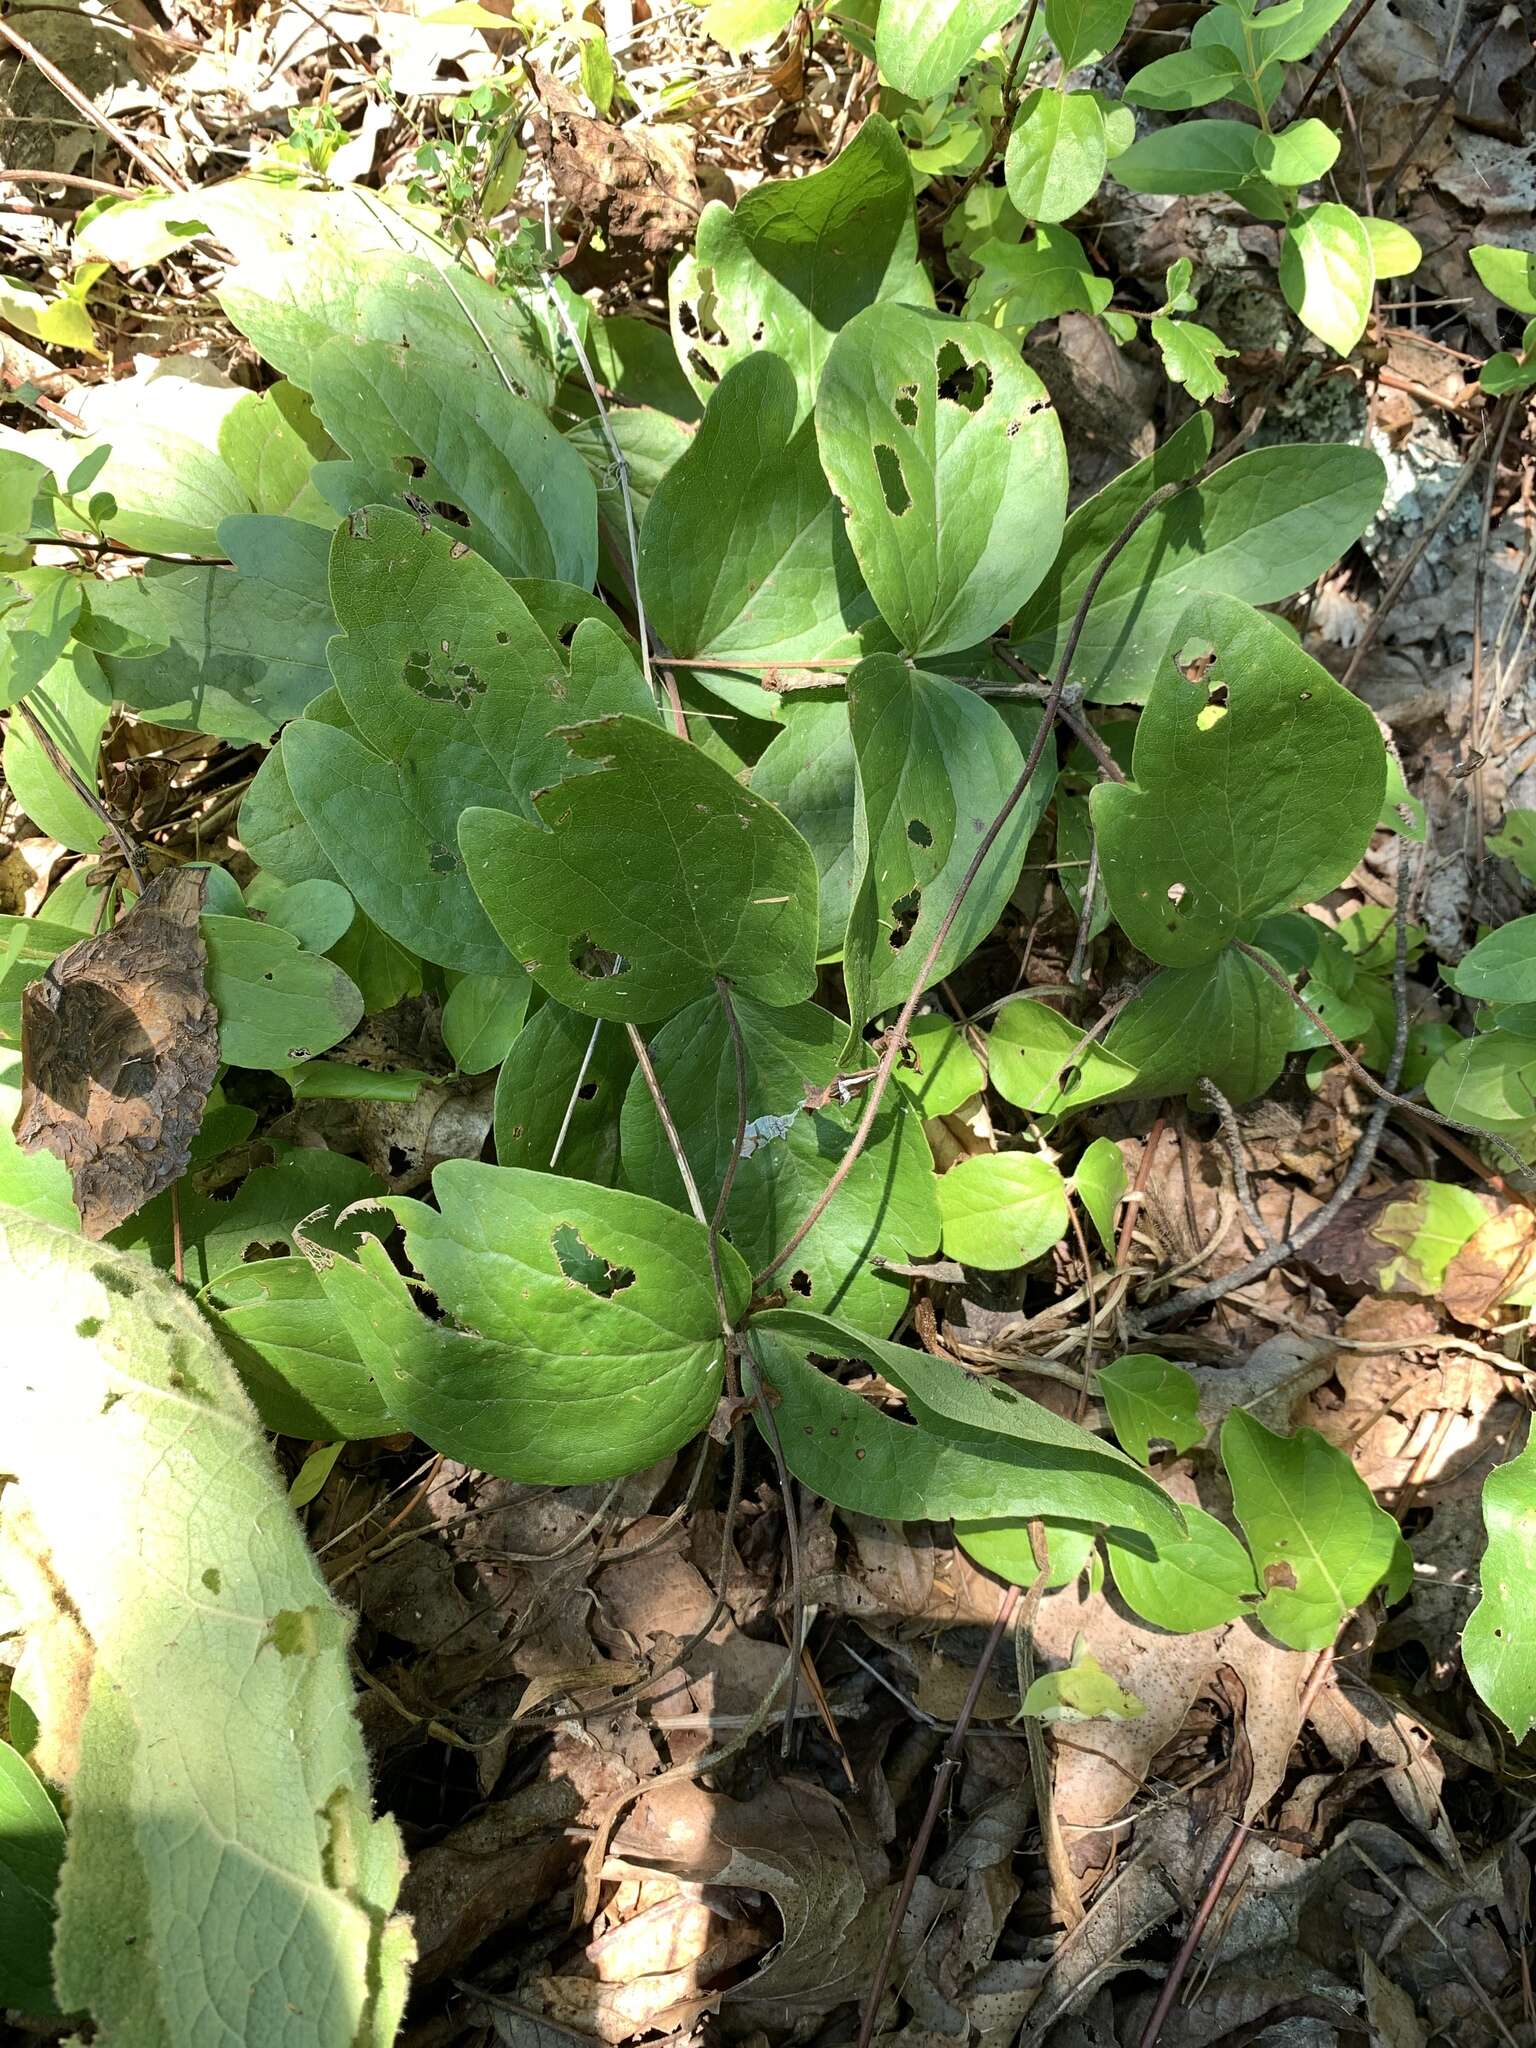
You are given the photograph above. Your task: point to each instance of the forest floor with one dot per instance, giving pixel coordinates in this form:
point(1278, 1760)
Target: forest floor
point(1383, 1886)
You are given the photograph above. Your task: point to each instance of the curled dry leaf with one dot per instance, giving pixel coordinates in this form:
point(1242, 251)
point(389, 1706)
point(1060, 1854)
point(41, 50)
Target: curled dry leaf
point(119, 1047)
point(636, 185)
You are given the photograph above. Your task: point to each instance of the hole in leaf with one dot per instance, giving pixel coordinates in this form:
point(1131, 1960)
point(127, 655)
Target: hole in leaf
point(800, 1282)
point(918, 833)
point(255, 1251)
point(904, 911)
point(587, 1092)
point(411, 466)
point(502, 639)
point(904, 405)
point(1193, 661)
point(898, 498)
point(703, 366)
point(587, 1268)
point(443, 861)
point(961, 381)
point(1306, 696)
point(593, 962)
point(454, 514)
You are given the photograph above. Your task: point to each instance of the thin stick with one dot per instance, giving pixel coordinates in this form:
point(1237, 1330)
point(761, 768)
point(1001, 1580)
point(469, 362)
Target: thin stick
point(1479, 589)
point(1334, 52)
point(1389, 186)
point(1138, 1194)
point(1227, 1118)
point(69, 178)
point(674, 1142)
point(1181, 1962)
point(576, 1088)
point(897, 1036)
point(68, 90)
point(127, 845)
point(949, 1763)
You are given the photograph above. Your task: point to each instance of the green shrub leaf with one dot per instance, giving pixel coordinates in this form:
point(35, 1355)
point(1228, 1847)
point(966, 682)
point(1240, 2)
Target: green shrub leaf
point(914, 411)
point(1327, 273)
point(808, 772)
point(31, 1853)
point(1192, 156)
point(277, 1003)
point(924, 45)
point(1149, 1397)
point(1002, 1209)
point(563, 1084)
point(1194, 1581)
point(294, 1353)
point(1056, 154)
point(1099, 1182)
point(1498, 1646)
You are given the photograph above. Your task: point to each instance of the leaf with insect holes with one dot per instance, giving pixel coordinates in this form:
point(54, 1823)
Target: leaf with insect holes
point(1056, 154)
point(647, 880)
point(884, 1210)
point(918, 414)
point(1257, 784)
point(794, 260)
point(1148, 1397)
point(1001, 1210)
point(980, 1450)
point(1099, 1181)
point(452, 693)
point(559, 1095)
point(807, 770)
point(277, 1003)
point(1319, 1541)
point(924, 45)
point(486, 465)
point(1264, 525)
point(1225, 1021)
point(743, 553)
point(1038, 1061)
point(581, 1338)
point(1191, 1582)
point(1328, 272)
point(934, 764)
point(1498, 1647)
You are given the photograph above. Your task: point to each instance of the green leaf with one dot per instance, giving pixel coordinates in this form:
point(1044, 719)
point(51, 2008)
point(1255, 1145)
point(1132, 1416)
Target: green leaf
point(780, 272)
point(744, 24)
point(210, 1627)
point(947, 1073)
point(1188, 78)
point(1056, 154)
point(1505, 372)
point(482, 1017)
point(660, 861)
point(1192, 156)
point(385, 972)
point(1427, 1224)
point(1327, 273)
point(1083, 30)
point(1265, 525)
point(1500, 968)
point(1319, 1541)
point(1510, 274)
point(1083, 1692)
point(340, 1081)
point(935, 762)
point(1195, 1581)
point(1225, 1021)
point(72, 703)
point(1023, 283)
point(1303, 153)
point(57, 322)
point(1489, 1081)
point(1150, 1397)
point(1191, 356)
point(564, 1074)
point(1516, 841)
point(271, 441)
point(1258, 783)
point(1006, 1549)
point(454, 695)
point(635, 359)
point(808, 772)
point(1099, 1183)
point(743, 554)
point(1286, 34)
point(294, 1352)
point(1002, 1210)
point(884, 1210)
point(318, 914)
point(277, 1004)
point(924, 45)
point(581, 1339)
point(488, 463)
point(31, 1852)
point(39, 609)
point(916, 412)
point(1497, 1646)
point(980, 1450)
point(22, 482)
point(1037, 1061)
point(234, 652)
point(1394, 252)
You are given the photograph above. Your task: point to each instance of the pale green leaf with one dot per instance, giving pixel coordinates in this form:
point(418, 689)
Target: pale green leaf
point(1510, 274)
point(1195, 1581)
point(294, 1352)
point(647, 880)
point(935, 763)
point(1099, 1182)
point(581, 1339)
point(1038, 1061)
point(1500, 968)
point(1515, 841)
point(72, 703)
point(39, 609)
point(1084, 1691)
point(1499, 1646)
point(807, 770)
point(482, 1017)
point(924, 45)
point(309, 1480)
point(1085, 29)
point(1192, 356)
point(1505, 372)
point(1149, 1397)
point(1185, 79)
point(1301, 154)
point(1001, 1210)
point(947, 452)
point(22, 481)
point(793, 261)
point(1394, 252)
point(1265, 525)
point(211, 1627)
point(1023, 283)
point(947, 1072)
point(1327, 273)
point(1258, 783)
point(1489, 1081)
point(1056, 154)
point(1320, 1543)
point(277, 1004)
point(739, 25)
point(1191, 156)
point(743, 553)
point(271, 441)
point(57, 321)
point(1006, 1549)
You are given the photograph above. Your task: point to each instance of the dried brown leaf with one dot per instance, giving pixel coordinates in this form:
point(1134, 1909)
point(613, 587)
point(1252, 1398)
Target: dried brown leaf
point(635, 185)
point(119, 1047)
